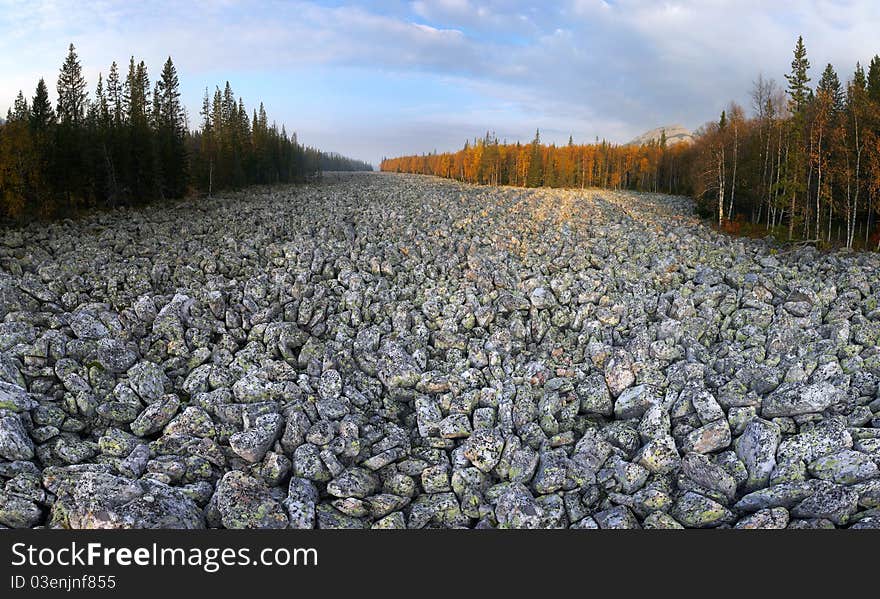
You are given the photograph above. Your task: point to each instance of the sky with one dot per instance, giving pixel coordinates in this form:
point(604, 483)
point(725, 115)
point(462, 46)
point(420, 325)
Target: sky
point(384, 78)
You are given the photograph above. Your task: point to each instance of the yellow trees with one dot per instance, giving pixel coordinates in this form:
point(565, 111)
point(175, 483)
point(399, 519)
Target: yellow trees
point(17, 167)
point(647, 167)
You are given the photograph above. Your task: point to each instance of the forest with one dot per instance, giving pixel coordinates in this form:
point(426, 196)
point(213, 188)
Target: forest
point(130, 143)
point(803, 166)
point(649, 167)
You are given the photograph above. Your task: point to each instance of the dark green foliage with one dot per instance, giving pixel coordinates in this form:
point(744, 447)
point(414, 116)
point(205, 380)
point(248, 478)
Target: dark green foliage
point(534, 178)
point(130, 144)
point(798, 90)
point(873, 83)
point(829, 84)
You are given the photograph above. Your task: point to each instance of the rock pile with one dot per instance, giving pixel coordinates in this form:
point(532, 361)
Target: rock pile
point(381, 351)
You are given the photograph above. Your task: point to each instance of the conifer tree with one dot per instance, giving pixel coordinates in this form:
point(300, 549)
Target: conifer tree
point(798, 79)
point(829, 84)
point(71, 90)
point(72, 97)
point(535, 172)
point(873, 82)
point(42, 114)
point(171, 129)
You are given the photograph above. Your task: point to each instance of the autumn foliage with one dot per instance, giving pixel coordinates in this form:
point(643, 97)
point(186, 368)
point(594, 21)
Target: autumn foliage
point(804, 165)
point(650, 167)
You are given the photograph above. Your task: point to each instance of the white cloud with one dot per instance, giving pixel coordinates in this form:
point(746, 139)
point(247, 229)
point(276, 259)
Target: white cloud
point(589, 67)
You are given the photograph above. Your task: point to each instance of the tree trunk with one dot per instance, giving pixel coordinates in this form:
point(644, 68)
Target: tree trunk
point(819, 185)
point(733, 175)
point(721, 187)
point(851, 230)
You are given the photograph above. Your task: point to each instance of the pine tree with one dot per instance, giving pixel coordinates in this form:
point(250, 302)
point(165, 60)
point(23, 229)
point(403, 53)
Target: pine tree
point(20, 110)
point(829, 84)
point(42, 126)
point(798, 90)
point(142, 176)
point(873, 83)
point(42, 114)
point(114, 94)
point(71, 165)
point(171, 129)
point(71, 90)
point(101, 104)
point(536, 170)
point(859, 80)
point(131, 144)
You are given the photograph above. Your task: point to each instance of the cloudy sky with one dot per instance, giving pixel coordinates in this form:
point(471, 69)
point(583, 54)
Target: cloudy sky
point(381, 78)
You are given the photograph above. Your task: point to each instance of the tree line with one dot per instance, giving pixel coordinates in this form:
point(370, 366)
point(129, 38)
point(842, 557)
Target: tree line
point(129, 143)
point(649, 167)
point(804, 165)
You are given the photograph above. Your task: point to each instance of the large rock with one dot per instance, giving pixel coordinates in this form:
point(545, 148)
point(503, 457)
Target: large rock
point(483, 448)
point(15, 444)
point(102, 500)
point(244, 502)
point(698, 511)
point(846, 467)
point(794, 400)
point(15, 398)
point(756, 447)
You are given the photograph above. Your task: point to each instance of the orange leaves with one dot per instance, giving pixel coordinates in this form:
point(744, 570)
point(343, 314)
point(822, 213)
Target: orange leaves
point(488, 162)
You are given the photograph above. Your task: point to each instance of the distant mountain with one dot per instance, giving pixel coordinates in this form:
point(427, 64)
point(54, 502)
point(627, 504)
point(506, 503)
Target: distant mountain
point(674, 134)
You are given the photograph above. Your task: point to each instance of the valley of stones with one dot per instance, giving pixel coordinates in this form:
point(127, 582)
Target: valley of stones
point(392, 351)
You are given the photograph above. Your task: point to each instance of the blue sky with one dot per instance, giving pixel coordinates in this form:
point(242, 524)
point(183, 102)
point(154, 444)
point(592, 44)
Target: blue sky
point(381, 78)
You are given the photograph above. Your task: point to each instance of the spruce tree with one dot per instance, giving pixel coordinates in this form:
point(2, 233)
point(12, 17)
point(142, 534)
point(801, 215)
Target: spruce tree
point(71, 168)
point(829, 84)
point(171, 130)
point(536, 168)
point(20, 110)
point(873, 83)
point(42, 114)
point(114, 94)
point(71, 90)
point(859, 79)
point(798, 90)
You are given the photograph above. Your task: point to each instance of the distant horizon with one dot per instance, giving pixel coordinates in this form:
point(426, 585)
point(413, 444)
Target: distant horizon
point(378, 79)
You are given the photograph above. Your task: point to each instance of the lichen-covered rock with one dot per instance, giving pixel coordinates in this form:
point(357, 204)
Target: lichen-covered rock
point(618, 372)
point(594, 396)
point(244, 502)
point(483, 448)
point(252, 444)
point(633, 402)
point(516, 508)
point(616, 518)
point(156, 416)
point(794, 400)
point(18, 512)
point(756, 447)
point(836, 503)
point(15, 444)
point(846, 467)
point(353, 482)
point(91, 499)
point(15, 398)
point(302, 499)
point(773, 518)
point(147, 380)
point(698, 511)
point(392, 351)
